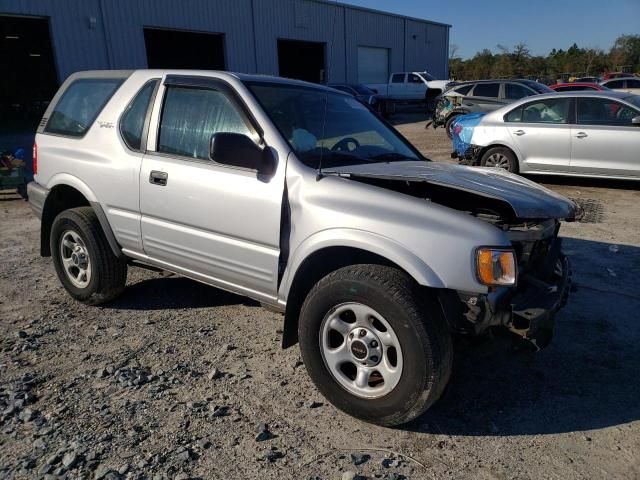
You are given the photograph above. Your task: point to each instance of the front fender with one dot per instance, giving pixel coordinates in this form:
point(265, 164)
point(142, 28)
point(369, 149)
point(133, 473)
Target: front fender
point(363, 240)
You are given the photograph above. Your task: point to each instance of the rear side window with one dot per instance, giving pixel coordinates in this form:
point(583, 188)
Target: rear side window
point(190, 116)
point(633, 83)
point(486, 90)
point(397, 78)
point(616, 84)
point(80, 105)
point(132, 121)
point(547, 111)
point(514, 91)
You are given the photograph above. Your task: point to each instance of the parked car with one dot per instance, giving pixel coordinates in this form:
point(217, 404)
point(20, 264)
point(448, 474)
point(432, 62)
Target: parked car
point(411, 87)
point(481, 96)
point(626, 84)
point(298, 196)
point(612, 75)
point(592, 134)
point(587, 80)
point(377, 102)
point(577, 86)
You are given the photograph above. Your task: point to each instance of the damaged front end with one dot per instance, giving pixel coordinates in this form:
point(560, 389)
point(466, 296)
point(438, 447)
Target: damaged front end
point(527, 309)
point(527, 213)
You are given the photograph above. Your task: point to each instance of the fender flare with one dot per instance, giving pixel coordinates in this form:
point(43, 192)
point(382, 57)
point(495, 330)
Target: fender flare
point(363, 240)
point(74, 182)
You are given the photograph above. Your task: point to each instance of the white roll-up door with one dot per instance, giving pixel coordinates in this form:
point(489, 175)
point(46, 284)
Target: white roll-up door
point(373, 65)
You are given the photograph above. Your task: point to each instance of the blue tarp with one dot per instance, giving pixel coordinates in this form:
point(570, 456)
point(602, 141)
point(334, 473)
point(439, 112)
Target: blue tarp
point(462, 131)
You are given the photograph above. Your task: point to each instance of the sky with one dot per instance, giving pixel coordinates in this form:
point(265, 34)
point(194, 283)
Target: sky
point(541, 24)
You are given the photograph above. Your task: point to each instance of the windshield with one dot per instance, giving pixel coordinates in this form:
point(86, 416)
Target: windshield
point(427, 76)
point(633, 99)
point(363, 90)
point(538, 87)
point(351, 134)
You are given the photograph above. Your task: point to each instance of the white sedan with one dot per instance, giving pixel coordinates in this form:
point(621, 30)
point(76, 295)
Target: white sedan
point(591, 134)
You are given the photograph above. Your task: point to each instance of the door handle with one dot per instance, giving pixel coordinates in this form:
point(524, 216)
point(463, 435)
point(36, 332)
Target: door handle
point(519, 132)
point(581, 135)
point(157, 177)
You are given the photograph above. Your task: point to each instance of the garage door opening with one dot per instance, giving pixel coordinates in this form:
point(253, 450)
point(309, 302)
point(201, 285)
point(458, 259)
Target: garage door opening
point(373, 65)
point(184, 49)
point(28, 80)
point(302, 60)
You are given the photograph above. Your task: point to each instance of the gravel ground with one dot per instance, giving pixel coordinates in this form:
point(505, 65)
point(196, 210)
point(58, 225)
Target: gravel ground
point(179, 380)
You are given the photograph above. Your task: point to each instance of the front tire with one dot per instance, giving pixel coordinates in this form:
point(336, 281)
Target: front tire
point(83, 259)
point(375, 344)
point(500, 157)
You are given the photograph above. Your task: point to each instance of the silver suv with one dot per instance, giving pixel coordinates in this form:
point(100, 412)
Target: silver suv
point(298, 196)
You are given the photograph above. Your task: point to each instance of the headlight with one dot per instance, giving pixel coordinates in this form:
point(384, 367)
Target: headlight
point(496, 266)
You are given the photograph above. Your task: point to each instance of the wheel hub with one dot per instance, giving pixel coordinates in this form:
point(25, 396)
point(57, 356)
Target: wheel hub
point(361, 350)
point(364, 346)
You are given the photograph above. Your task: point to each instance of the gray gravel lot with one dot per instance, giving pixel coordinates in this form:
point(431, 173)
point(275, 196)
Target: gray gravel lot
point(179, 380)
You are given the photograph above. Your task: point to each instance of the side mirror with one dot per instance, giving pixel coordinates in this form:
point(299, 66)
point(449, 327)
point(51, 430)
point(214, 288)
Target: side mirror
point(635, 120)
point(238, 150)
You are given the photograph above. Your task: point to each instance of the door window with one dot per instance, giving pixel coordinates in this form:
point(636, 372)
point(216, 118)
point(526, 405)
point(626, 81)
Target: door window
point(463, 90)
point(616, 84)
point(514, 91)
point(602, 111)
point(132, 121)
point(633, 83)
point(413, 78)
point(397, 78)
point(544, 111)
point(490, 90)
point(190, 116)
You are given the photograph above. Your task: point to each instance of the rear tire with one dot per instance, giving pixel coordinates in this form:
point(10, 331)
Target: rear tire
point(500, 157)
point(449, 125)
point(83, 259)
point(406, 322)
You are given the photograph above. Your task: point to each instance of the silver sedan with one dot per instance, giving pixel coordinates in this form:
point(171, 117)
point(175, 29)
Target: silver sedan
point(591, 134)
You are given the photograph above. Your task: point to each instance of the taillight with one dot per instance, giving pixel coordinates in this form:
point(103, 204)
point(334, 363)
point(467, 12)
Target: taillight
point(457, 129)
point(35, 158)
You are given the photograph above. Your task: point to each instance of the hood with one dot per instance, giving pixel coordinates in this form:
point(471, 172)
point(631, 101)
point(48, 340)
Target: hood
point(441, 84)
point(527, 199)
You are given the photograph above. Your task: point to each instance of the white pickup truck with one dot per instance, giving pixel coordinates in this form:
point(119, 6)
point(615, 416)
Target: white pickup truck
point(410, 87)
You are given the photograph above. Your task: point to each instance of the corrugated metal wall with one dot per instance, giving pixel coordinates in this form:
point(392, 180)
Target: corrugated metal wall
point(98, 34)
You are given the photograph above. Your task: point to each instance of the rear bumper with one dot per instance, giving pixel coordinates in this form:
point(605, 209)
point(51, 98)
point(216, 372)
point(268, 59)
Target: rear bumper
point(37, 196)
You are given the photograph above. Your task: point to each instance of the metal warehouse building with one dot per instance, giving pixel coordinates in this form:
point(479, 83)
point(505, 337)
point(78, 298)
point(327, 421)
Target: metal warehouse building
point(43, 41)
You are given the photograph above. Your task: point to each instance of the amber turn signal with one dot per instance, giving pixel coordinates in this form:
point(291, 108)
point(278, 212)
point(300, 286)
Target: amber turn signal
point(496, 266)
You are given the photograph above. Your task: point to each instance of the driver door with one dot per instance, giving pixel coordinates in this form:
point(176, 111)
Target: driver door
point(210, 221)
point(604, 141)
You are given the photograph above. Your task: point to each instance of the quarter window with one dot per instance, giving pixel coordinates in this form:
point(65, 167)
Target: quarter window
point(80, 105)
point(486, 90)
point(514, 91)
point(132, 122)
point(602, 111)
point(190, 116)
point(463, 90)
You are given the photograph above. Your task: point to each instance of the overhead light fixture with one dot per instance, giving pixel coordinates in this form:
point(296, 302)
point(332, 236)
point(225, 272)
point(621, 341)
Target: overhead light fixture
point(12, 37)
point(34, 55)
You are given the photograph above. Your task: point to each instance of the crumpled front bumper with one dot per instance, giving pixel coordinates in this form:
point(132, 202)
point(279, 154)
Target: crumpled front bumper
point(533, 310)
